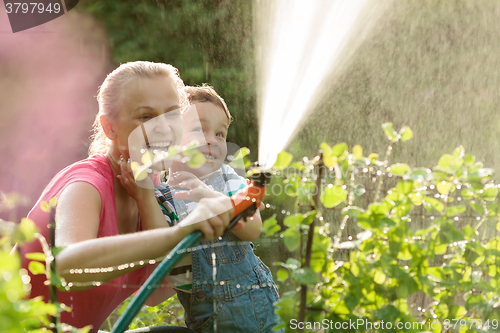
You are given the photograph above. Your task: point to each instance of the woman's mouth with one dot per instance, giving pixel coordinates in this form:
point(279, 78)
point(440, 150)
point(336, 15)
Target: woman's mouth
point(160, 145)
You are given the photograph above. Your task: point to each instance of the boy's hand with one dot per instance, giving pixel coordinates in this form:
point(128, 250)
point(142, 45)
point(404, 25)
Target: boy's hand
point(128, 182)
point(197, 189)
point(211, 216)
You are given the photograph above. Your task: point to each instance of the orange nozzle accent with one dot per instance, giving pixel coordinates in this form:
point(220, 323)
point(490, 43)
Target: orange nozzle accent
point(249, 196)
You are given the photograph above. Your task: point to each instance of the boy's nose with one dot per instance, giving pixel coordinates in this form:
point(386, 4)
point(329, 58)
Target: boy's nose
point(210, 138)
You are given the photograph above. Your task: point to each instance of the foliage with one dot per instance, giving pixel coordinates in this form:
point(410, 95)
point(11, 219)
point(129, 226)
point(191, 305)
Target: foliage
point(18, 314)
point(412, 241)
point(208, 41)
point(168, 313)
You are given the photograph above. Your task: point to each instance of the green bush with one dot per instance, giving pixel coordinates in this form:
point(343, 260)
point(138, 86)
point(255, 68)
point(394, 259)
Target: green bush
point(17, 313)
point(426, 252)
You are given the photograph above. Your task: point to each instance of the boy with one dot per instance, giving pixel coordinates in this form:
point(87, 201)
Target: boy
point(225, 288)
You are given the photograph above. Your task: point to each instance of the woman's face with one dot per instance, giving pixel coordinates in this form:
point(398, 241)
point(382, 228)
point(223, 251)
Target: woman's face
point(149, 119)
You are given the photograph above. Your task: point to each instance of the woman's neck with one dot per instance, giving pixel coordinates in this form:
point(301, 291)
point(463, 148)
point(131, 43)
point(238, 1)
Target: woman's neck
point(114, 161)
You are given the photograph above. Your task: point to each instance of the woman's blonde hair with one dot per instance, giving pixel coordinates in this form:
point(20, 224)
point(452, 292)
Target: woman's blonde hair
point(110, 93)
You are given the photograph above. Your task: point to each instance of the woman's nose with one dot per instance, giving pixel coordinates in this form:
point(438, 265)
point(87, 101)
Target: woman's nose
point(162, 125)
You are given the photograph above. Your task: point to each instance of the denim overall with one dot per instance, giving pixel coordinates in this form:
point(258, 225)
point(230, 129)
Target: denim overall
point(241, 297)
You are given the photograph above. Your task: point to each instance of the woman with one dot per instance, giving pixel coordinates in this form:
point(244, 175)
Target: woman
point(98, 221)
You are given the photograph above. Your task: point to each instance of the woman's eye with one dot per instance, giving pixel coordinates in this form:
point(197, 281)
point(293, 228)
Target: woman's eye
point(145, 117)
point(198, 129)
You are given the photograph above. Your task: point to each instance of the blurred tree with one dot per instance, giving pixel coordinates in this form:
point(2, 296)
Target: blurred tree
point(208, 41)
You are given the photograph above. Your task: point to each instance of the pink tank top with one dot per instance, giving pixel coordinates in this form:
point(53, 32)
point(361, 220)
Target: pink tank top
point(92, 306)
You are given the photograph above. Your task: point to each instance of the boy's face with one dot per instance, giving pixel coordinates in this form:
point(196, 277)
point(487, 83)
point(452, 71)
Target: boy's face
point(207, 124)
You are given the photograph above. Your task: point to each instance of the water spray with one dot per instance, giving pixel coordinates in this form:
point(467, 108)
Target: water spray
point(245, 203)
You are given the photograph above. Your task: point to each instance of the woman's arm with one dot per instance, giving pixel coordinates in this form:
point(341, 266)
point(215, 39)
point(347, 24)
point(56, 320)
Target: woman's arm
point(250, 229)
point(77, 223)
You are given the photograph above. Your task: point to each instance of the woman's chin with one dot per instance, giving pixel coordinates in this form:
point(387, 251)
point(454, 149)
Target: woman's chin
point(161, 166)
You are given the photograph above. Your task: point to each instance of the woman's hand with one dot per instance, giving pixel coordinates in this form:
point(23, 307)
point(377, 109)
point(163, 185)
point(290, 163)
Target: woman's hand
point(211, 216)
point(139, 191)
point(197, 188)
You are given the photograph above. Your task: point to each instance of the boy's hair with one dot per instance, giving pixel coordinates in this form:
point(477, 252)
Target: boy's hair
point(206, 93)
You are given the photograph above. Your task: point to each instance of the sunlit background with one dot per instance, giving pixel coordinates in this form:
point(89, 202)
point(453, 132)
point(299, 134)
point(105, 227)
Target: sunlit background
point(430, 65)
point(48, 79)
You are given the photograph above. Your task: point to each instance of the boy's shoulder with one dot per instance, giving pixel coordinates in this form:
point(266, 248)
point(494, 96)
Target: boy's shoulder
point(232, 181)
point(229, 173)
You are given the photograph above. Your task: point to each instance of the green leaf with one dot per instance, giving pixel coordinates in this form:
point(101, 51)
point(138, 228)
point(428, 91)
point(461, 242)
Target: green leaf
point(36, 267)
point(458, 152)
point(196, 160)
point(242, 152)
point(354, 269)
point(283, 160)
point(449, 162)
point(441, 249)
point(44, 206)
point(328, 157)
point(270, 226)
point(292, 264)
point(35, 256)
point(333, 195)
point(53, 202)
point(352, 211)
point(467, 194)
point(357, 151)
point(399, 169)
point(404, 186)
point(291, 239)
point(469, 232)
point(339, 149)
point(309, 217)
point(57, 249)
point(282, 274)
point(432, 203)
point(457, 311)
point(455, 210)
point(389, 131)
point(305, 276)
point(293, 220)
point(240, 160)
point(416, 198)
point(406, 133)
point(379, 277)
point(489, 193)
point(477, 207)
point(421, 174)
point(444, 187)
point(85, 329)
point(469, 159)
point(25, 231)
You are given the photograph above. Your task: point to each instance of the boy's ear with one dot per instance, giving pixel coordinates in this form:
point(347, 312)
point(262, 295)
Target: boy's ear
point(107, 127)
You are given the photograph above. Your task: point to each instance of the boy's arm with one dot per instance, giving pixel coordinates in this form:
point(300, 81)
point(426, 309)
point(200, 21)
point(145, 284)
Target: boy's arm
point(251, 228)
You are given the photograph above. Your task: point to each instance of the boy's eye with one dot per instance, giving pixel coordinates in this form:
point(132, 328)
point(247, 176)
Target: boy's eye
point(173, 113)
point(220, 134)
